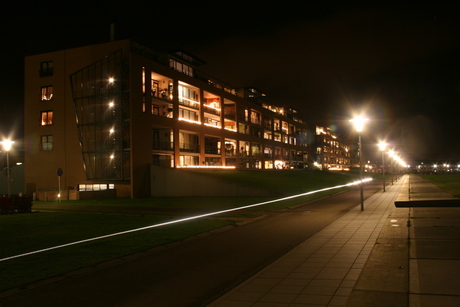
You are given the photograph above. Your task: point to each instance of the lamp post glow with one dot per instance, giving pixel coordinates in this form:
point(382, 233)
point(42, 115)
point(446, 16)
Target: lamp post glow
point(359, 125)
point(7, 144)
point(382, 146)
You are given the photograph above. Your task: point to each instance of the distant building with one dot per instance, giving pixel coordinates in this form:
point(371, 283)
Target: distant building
point(103, 114)
point(331, 152)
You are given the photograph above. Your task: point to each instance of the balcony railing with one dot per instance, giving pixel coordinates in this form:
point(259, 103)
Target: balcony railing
point(189, 147)
point(169, 146)
point(212, 150)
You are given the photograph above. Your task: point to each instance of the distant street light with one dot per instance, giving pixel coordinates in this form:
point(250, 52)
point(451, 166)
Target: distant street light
point(359, 125)
point(7, 144)
point(382, 146)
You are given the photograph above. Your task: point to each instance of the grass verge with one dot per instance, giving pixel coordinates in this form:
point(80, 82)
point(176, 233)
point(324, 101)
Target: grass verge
point(448, 182)
point(23, 233)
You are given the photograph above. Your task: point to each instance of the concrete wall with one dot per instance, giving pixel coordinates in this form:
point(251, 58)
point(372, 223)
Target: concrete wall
point(167, 182)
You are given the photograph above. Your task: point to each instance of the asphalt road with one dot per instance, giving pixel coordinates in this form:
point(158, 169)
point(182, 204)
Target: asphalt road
point(195, 272)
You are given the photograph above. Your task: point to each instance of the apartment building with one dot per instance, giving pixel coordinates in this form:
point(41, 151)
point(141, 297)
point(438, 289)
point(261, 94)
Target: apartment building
point(331, 152)
point(97, 117)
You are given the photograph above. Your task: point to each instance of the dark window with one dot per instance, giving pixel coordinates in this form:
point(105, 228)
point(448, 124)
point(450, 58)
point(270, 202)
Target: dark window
point(46, 69)
point(212, 145)
point(46, 142)
point(163, 139)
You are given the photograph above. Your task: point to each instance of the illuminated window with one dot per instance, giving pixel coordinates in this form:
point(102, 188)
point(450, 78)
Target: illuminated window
point(255, 117)
point(244, 149)
point(46, 69)
point(143, 80)
point(229, 109)
point(267, 135)
point(256, 150)
point(181, 67)
point(211, 103)
point(189, 142)
point(276, 124)
point(46, 142)
point(212, 121)
point(96, 187)
point(285, 127)
point(188, 115)
point(189, 95)
point(46, 118)
point(46, 93)
point(212, 109)
point(243, 128)
point(268, 152)
point(161, 86)
point(243, 115)
point(189, 160)
point(230, 147)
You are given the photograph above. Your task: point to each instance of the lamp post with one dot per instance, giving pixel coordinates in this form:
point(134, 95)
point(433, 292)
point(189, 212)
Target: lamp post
point(392, 154)
point(382, 146)
point(359, 124)
point(7, 146)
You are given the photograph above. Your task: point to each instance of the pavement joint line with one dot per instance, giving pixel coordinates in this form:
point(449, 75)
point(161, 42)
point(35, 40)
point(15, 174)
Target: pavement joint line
point(414, 279)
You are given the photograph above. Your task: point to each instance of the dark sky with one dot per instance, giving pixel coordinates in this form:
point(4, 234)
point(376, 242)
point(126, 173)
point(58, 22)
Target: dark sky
point(397, 63)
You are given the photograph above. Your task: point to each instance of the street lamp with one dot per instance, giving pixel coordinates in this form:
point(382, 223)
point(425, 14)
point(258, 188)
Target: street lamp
point(382, 146)
point(359, 125)
point(7, 144)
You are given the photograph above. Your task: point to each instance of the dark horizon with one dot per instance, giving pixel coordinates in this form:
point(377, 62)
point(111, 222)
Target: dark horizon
point(398, 64)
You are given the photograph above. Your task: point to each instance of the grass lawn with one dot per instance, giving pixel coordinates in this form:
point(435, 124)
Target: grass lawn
point(23, 233)
point(81, 220)
point(448, 182)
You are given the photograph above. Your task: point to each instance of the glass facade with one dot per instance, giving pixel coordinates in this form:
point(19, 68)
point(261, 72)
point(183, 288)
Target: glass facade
point(101, 105)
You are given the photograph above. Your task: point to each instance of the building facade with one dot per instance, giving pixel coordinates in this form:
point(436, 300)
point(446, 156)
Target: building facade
point(331, 152)
point(97, 117)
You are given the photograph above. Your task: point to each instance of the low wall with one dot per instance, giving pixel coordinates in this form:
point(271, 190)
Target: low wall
point(74, 195)
point(97, 194)
point(44, 195)
point(168, 182)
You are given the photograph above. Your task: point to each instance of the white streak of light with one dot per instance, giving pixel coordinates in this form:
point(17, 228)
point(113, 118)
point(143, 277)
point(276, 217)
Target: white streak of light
point(181, 220)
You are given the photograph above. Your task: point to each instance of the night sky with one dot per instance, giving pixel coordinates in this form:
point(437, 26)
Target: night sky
point(396, 64)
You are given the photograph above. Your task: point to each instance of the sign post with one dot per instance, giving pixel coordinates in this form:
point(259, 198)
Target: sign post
point(59, 173)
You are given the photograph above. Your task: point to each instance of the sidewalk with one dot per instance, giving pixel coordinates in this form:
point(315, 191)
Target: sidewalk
point(418, 263)
point(367, 258)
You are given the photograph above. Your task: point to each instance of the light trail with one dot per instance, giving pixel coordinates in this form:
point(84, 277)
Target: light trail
point(181, 220)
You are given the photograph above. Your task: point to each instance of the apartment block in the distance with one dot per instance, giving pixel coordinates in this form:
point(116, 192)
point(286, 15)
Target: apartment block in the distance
point(97, 118)
point(331, 152)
